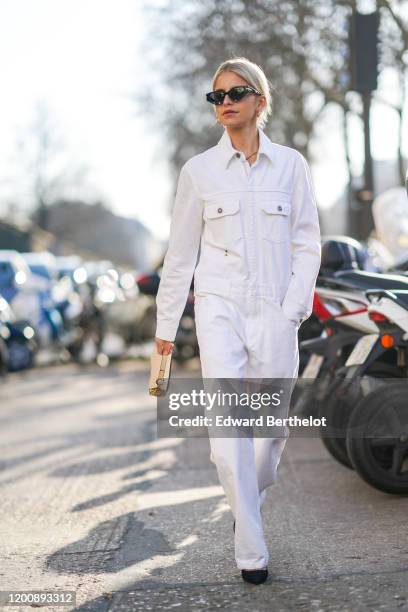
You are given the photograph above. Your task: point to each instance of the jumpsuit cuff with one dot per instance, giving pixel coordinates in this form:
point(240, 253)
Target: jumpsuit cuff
point(252, 565)
point(294, 311)
point(165, 331)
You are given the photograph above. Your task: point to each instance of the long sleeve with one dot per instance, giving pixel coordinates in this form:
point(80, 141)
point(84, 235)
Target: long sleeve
point(306, 245)
point(181, 257)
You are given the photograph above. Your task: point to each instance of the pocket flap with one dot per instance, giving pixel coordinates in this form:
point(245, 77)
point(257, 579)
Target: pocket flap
point(276, 207)
point(213, 211)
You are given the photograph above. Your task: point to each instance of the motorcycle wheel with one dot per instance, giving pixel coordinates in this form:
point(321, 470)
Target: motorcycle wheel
point(339, 407)
point(381, 459)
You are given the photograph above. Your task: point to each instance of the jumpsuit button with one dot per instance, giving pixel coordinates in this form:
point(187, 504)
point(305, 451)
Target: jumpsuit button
point(279, 207)
point(220, 210)
point(237, 155)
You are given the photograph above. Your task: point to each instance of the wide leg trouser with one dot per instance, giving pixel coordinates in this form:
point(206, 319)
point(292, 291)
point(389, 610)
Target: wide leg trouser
point(246, 336)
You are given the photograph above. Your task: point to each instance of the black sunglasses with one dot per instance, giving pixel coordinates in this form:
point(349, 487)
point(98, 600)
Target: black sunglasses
point(235, 94)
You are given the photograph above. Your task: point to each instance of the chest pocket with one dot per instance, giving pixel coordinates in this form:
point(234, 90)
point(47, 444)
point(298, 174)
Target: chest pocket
point(223, 219)
point(275, 208)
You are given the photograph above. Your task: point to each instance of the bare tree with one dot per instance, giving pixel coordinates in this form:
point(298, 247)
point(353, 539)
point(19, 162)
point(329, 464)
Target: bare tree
point(44, 163)
point(301, 44)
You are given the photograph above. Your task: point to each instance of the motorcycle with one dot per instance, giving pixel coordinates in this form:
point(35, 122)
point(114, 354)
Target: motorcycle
point(377, 428)
point(340, 307)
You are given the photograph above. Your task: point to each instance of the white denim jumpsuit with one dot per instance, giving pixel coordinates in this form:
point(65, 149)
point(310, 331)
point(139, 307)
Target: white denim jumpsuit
point(251, 237)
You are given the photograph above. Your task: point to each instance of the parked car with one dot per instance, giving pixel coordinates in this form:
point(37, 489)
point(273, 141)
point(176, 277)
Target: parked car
point(18, 344)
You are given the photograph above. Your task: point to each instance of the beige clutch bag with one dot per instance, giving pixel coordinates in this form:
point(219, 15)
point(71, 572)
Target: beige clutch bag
point(159, 373)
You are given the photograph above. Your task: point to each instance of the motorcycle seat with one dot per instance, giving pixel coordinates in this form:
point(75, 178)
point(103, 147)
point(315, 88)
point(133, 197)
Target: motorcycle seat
point(402, 297)
point(361, 279)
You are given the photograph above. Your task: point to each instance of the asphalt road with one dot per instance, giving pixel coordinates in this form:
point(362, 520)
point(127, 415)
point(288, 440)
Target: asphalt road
point(93, 502)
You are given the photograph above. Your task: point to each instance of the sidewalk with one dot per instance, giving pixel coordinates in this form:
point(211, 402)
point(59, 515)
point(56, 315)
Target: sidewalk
point(92, 501)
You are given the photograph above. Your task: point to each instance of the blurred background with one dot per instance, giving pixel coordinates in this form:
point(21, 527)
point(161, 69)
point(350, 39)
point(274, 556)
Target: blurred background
point(104, 101)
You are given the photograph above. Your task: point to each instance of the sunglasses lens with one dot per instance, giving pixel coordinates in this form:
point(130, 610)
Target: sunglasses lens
point(216, 97)
point(237, 93)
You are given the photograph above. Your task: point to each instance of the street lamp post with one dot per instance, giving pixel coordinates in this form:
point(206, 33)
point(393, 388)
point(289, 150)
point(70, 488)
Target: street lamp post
point(363, 40)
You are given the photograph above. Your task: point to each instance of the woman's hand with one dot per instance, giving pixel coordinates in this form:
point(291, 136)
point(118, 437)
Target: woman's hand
point(164, 347)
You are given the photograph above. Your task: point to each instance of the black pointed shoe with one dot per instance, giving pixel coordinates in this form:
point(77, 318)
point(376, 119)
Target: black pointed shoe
point(257, 576)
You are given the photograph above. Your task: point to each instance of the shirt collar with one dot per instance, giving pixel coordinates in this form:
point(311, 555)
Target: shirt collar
point(228, 152)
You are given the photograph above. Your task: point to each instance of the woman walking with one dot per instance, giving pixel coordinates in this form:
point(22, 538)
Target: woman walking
point(245, 223)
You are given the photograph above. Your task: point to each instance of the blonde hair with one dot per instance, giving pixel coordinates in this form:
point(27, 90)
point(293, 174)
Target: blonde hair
point(254, 76)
